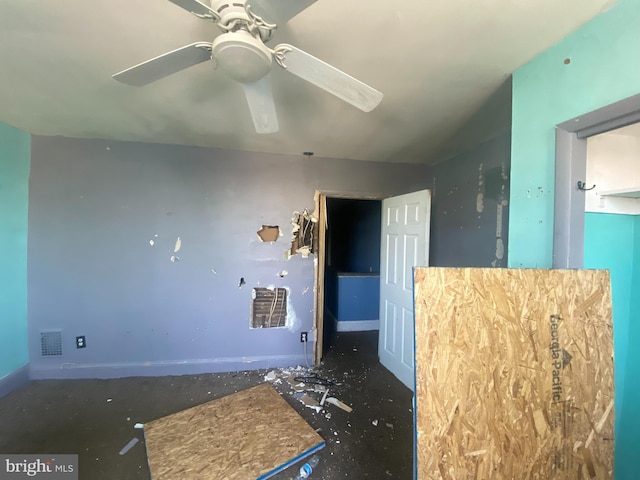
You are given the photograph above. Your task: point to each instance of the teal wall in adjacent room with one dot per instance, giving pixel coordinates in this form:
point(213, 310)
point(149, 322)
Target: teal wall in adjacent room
point(609, 244)
point(15, 153)
point(591, 68)
point(613, 242)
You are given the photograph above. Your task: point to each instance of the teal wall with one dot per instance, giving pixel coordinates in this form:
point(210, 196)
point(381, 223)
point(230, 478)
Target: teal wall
point(15, 154)
point(547, 91)
point(613, 242)
point(603, 69)
point(609, 244)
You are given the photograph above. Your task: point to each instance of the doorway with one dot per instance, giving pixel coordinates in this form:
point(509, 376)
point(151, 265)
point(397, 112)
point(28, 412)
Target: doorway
point(351, 266)
point(401, 226)
point(342, 204)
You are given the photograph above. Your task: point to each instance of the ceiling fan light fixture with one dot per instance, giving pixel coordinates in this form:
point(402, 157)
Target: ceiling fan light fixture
point(241, 56)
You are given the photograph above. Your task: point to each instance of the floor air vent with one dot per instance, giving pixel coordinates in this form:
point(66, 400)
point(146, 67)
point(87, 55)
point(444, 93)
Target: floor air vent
point(51, 343)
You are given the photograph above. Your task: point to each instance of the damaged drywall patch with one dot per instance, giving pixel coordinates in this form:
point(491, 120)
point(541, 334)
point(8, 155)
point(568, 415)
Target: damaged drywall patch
point(481, 188)
point(500, 250)
point(305, 234)
point(480, 202)
point(269, 233)
point(271, 308)
point(268, 307)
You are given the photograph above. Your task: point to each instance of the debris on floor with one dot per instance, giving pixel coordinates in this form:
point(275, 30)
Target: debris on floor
point(270, 377)
point(354, 447)
point(338, 403)
point(129, 446)
point(309, 402)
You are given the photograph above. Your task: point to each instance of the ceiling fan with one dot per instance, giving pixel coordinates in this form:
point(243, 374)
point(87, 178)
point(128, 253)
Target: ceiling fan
point(241, 53)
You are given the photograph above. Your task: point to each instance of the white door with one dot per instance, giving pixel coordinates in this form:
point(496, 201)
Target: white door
point(405, 244)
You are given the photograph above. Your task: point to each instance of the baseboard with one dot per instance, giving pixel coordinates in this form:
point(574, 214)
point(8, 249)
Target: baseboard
point(14, 380)
point(357, 325)
point(171, 367)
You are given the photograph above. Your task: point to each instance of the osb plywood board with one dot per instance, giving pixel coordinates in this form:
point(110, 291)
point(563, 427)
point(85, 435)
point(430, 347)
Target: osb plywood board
point(514, 374)
point(250, 434)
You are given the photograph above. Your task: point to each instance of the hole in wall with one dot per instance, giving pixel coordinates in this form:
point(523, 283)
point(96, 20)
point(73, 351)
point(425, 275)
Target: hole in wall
point(305, 233)
point(269, 233)
point(268, 307)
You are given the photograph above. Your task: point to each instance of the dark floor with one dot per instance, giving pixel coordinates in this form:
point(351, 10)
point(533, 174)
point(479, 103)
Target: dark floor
point(95, 418)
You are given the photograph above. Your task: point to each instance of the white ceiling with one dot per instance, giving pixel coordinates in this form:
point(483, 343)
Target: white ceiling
point(436, 62)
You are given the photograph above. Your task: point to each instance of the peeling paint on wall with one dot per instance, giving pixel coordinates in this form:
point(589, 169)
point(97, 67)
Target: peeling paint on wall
point(499, 249)
point(499, 221)
point(468, 213)
point(480, 196)
point(480, 202)
point(269, 233)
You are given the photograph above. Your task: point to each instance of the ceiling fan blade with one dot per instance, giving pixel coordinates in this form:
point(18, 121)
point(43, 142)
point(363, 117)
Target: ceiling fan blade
point(165, 65)
point(279, 11)
point(260, 100)
point(329, 78)
point(199, 8)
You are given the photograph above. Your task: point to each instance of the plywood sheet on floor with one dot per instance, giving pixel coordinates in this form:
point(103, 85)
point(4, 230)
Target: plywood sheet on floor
point(514, 374)
point(250, 434)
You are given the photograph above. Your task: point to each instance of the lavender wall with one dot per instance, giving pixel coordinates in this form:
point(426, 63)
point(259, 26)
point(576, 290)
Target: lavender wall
point(94, 207)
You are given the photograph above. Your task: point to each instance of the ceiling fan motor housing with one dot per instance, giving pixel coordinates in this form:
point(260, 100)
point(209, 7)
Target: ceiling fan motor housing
point(241, 56)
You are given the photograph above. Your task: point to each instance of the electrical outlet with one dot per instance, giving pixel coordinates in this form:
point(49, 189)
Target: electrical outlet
point(81, 342)
point(303, 337)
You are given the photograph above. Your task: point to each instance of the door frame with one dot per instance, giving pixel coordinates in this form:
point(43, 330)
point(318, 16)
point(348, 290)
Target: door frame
point(571, 167)
point(318, 282)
